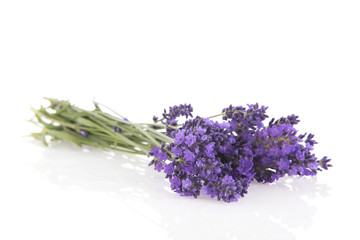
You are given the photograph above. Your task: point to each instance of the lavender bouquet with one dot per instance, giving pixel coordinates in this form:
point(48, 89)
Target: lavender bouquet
point(221, 158)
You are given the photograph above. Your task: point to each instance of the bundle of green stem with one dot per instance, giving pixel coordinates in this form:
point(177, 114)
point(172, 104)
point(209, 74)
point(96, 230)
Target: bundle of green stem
point(64, 121)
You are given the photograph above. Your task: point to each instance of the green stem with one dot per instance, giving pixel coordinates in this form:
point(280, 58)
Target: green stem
point(63, 121)
point(217, 115)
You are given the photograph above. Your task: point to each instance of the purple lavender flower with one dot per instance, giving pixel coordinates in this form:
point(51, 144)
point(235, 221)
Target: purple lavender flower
point(245, 165)
point(175, 182)
point(190, 139)
point(324, 163)
point(155, 151)
point(201, 130)
point(170, 117)
point(290, 120)
point(186, 183)
point(222, 158)
point(209, 150)
point(283, 152)
point(84, 133)
point(287, 148)
point(314, 165)
point(160, 156)
point(211, 163)
point(177, 151)
point(228, 180)
point(300, 155)
point(169, 168)
point(189, 156)
point(276, 131)
point(245, 119)
point(117, 129)
point(179, 137)
point(219, 158)
point(158, 167)
point(284, 164)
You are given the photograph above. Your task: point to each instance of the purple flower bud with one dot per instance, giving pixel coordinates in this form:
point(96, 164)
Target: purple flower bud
point(84, 133)
point(117, 129)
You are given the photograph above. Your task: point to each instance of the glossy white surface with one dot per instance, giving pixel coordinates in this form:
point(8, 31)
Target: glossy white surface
point(139, 57)
point(67, 192)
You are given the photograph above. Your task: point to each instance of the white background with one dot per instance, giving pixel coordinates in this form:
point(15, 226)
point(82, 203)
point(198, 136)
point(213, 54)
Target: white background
point(139, 57)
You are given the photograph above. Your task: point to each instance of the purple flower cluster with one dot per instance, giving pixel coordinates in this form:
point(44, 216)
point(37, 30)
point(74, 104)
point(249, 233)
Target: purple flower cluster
point(278, 150)
point(206, 157)
point(170, 118)
point(244, 119)
point(222, 159)
point(159, 157)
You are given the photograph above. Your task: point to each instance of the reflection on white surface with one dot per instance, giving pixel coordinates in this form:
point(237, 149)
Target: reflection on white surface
point(278, 209)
